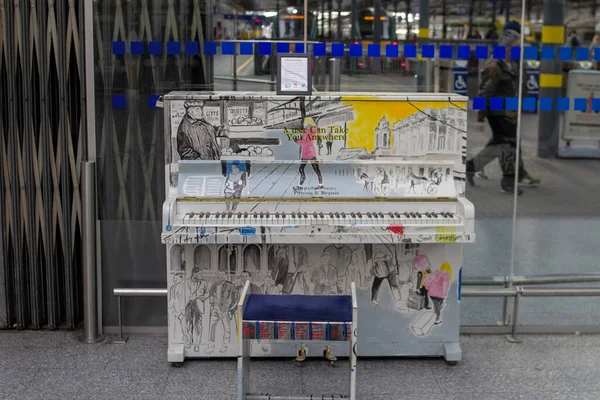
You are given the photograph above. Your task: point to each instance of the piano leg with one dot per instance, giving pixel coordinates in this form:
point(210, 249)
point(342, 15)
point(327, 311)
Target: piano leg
point(452, 353)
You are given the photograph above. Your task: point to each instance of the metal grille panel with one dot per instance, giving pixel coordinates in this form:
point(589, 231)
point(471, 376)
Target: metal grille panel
point(41, 144)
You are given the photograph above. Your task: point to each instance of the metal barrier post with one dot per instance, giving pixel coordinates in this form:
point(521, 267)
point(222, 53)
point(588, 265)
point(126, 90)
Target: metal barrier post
point(88, 206)
point(335, 71)
point(513, 336)
point(121, 339)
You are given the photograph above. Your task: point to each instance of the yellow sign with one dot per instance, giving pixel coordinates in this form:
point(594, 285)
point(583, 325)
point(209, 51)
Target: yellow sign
point(445, 234)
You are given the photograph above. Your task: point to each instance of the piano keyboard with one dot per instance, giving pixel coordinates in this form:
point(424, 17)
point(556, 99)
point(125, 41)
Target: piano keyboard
point(206, 219)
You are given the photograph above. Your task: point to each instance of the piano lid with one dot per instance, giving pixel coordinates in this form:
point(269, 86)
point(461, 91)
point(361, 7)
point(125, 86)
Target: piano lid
point(358, 179)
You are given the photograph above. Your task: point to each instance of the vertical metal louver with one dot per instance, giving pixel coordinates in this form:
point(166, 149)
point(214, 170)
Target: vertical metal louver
point(41, 144)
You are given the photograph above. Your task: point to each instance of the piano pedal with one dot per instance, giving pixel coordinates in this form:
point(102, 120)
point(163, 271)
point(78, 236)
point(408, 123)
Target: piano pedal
point(301, 354)
point(329, 355)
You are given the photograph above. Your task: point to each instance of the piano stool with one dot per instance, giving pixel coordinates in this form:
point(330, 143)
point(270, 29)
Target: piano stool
point(313, 311)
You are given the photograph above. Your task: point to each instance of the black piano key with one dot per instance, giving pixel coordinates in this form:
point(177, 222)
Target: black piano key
point(359, 215)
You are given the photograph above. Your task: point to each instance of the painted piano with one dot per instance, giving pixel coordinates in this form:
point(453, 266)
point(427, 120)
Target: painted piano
point(306, 194)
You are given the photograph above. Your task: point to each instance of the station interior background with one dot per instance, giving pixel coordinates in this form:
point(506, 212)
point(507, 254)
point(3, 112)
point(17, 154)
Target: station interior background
point(556, 222)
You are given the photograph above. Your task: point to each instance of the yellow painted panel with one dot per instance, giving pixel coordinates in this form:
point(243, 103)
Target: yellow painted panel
point(551, 80)
point(553, 34)
point(423, 33)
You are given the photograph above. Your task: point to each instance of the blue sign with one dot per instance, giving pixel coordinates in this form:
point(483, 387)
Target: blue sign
point(532, 84)
point(532, 81)
point(244, 17)
point(460, 77)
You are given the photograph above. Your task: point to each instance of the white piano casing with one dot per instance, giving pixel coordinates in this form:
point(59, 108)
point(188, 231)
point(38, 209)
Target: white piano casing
point(382, 204)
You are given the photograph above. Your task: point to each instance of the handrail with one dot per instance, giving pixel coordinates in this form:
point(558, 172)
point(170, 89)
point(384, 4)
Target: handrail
point(517, 292)
point(531, 280)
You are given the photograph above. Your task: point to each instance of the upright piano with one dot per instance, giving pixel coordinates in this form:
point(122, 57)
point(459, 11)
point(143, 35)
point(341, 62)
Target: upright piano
point(306, 194)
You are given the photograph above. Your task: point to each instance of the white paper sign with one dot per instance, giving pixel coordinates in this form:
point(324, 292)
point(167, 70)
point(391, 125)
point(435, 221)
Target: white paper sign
point(294, 74)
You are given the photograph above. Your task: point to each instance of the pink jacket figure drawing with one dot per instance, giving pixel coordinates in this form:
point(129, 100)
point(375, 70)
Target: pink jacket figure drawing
point(307, 144)
point(421, 262)
point(438, 284)
point(308, 153)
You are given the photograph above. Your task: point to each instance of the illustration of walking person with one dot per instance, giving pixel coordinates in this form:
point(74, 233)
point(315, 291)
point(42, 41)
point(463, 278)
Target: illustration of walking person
point(196, 137)
point(423, 266)
point(222, 308)
point(195, 307)
point(234, 185)
point(176, 305)
point(329, 145)
point(324, 277)
point(281, 265)
point(404, 279)
point(437, 285)
point(341, 257)
point(308, 153)
point(381, 270)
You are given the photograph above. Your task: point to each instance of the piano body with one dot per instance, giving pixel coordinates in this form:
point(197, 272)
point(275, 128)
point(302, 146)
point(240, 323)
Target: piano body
point(304, 195)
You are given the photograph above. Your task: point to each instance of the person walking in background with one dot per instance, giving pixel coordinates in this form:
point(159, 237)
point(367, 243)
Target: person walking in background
point(573, 39)
point(500, 79)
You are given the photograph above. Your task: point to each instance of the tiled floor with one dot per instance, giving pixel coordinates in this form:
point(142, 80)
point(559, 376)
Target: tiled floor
point(54, 365)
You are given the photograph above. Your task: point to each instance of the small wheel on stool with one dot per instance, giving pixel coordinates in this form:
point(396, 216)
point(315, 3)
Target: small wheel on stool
point(452, 363)
point(176, 364)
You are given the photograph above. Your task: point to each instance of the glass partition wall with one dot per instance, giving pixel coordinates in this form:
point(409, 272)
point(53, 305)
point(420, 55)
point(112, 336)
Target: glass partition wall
point(146, 48)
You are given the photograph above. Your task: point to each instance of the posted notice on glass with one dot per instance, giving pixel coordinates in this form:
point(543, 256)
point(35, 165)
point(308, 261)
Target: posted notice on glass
point(294, 74)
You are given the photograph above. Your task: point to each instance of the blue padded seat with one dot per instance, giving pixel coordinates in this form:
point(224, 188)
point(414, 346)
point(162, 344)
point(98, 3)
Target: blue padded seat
point(264, 307)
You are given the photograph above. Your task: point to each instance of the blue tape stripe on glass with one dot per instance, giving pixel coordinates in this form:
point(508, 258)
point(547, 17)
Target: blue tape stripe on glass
point(512, 103)
point(547, 53)
point(310, 330)
point(464, 52)
point(152, 101)
point(118, 48)
point(356, 50)
point(264, 48)
point(210, 48)
point(173, 48)
point(192, 48)
point(580, 104)
point(499, 52)
point(391, 50)
point(597, 54)
point(563, 104)
point(299, 48)
point(531, 53)
point(529, 103)
point(582, 54)
point(546, 104)
point(337, 49)
point(496, 103)
point(565, 53)
point(596, 104)
point(136, 48)
point(283, 47)
point(257, 330)
point(246, 48)
point(481, 52)
point(478, 103)
point(275, 330)
point(293, 331)
point(155, 48)
point(118, 101)
point(446, 51)
point(374, 50)
point(228, 48)
point(410, 51)
point(319, 50)
point(428, 51)
point(515, 53)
